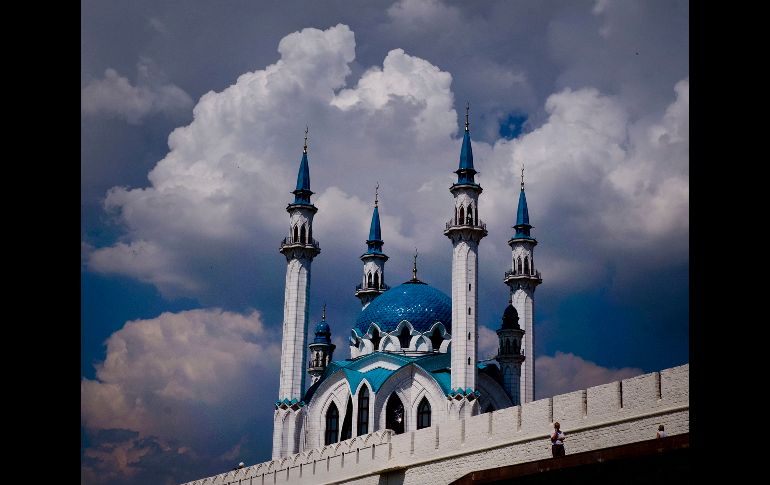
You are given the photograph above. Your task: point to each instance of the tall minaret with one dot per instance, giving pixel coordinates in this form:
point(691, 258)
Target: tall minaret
point(523, 279)
point(465, 230)
point(509, 355)
point(373, 282)
point(299, 248)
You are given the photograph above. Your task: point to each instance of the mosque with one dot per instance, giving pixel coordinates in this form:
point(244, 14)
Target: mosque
point(413, 349)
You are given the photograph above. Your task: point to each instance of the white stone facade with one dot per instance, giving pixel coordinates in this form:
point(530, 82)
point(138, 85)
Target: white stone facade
point(612, 414)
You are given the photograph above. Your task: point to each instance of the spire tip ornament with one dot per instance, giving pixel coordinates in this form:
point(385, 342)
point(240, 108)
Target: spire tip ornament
point(376, 193)
point(304, 147)
point(467, 108)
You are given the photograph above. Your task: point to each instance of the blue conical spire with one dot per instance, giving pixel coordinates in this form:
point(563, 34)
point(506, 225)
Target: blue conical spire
point(375, 233)
point(522, 213)
point(302, 193)
point(466, 171)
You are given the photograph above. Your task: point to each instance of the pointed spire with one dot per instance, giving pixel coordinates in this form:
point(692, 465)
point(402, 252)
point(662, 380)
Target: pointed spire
point(375, 233)
point(302, 193)
point(466, 171)
point(323, 315)
point(414, 266)
point(522, 213)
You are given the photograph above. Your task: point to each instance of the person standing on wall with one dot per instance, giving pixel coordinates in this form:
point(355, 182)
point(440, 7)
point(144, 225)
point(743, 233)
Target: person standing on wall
point(557, 440)
point(661, 433)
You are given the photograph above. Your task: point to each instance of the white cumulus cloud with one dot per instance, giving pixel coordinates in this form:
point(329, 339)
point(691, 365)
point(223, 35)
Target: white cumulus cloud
point(567, 372)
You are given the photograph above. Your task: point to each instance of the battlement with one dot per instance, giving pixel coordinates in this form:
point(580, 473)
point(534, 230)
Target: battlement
point(611, 414)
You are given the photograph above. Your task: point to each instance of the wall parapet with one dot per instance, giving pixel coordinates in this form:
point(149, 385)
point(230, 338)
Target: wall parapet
point(606, 415)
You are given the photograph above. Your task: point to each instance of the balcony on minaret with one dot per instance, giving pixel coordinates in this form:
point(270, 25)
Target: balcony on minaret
point(468, 223)
point(514, 274)
point(299, 242)
point(360, 288)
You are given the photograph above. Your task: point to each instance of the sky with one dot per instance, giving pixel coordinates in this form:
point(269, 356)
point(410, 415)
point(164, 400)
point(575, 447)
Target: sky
point(192, 122)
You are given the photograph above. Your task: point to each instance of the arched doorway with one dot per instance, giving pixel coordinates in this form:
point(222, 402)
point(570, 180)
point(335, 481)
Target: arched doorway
point(394, 414)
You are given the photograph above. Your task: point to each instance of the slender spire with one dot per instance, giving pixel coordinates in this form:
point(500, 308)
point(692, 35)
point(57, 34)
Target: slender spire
point(414, 266)
point(522, 213)
point(466, 171)
point(323, 315)
point(375, 233)
point(302, 193)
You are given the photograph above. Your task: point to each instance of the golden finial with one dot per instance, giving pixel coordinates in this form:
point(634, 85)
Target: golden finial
point(304, 148)
point(376, 190)
point(414, 267)
point(323, 315)
point(467, 108)
point(522, 176)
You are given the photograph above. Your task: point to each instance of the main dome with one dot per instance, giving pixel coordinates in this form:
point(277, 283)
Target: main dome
point(419, 303)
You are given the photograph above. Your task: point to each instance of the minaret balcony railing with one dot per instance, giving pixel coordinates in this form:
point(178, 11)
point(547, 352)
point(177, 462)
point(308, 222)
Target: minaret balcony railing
point(475, 224)
point(513, 273)
point(290, 241)
point(361, 287)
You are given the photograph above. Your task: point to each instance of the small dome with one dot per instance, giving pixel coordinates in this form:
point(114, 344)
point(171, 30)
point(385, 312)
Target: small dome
point(322, 333)
point(419, 303)
point(510, 318)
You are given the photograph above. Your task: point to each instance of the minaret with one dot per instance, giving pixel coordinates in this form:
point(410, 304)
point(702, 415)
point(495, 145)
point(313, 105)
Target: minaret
point(466, 231)
point(509, 354)
point(299, 248)
point(373, 282)
point(321, 350)
point(523, 279)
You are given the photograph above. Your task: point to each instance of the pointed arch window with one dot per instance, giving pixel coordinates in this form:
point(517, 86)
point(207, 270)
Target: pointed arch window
point(394, 414)
point(363, 411)
point(376, 337)
point(296, 235)
point(526, 265)
point(519, 266)
point(369, 280)
point(377, 280)
point(423, 414)
point(347, 423)
point(462, 215)
point(404, 337)
point(302, 234)
point(436, 339)
point(470, 215)
point(476, 211)
point(332, 425)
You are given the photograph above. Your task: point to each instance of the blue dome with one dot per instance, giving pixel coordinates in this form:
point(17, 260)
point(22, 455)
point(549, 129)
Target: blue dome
point(322, 333)
point(419, 303)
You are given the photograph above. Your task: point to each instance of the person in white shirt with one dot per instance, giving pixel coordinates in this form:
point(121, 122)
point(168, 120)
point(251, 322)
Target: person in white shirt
point(557, 440)
point(660, 433)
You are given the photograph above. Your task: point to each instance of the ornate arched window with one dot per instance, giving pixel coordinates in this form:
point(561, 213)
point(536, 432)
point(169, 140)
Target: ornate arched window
point(462, 215)
point(376, 337)
point(404, 337)
point(332, 424)
point(423, 414)
point(394, 414)
point(526, 265)
point(519, 266)
point(369, 280)
point(363, 411)
point(436, 339)
point(347, 423)
point(470, 215)
point(302, 235)
point(376, 280)
point(296, 235)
